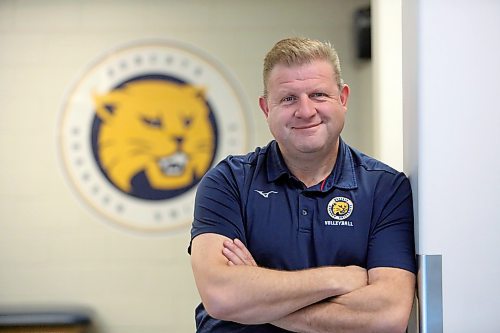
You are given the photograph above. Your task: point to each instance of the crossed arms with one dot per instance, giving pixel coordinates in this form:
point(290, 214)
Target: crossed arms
point(325, 299)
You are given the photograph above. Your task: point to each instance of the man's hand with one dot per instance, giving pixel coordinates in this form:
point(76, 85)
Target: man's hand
point(237, 253)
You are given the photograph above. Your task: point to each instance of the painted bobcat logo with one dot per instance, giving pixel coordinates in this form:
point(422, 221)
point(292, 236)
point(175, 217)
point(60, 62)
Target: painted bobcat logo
point(155, 135)
point(143, 124)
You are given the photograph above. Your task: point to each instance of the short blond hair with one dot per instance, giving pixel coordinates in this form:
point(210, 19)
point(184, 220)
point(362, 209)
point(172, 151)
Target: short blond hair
point(299, 51)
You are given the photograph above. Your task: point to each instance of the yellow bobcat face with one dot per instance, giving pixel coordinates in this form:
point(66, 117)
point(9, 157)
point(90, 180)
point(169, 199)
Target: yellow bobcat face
point(340, 208)
point(156, 127)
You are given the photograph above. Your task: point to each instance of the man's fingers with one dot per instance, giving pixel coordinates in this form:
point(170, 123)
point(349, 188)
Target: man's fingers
point(236, 252)
point(247, 256)
point(232, 257)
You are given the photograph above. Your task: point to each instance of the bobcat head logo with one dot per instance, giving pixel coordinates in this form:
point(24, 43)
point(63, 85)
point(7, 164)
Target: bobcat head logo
point(340, 208)
point(153, 136)
point(143, 124)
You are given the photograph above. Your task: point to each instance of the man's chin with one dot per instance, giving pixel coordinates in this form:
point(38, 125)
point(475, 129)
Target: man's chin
point(309, 149)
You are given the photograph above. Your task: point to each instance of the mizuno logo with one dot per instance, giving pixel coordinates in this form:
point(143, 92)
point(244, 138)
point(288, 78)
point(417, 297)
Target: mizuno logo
point(265, 194)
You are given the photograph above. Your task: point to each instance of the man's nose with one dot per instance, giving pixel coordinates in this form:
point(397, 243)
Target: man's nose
point(305, 108)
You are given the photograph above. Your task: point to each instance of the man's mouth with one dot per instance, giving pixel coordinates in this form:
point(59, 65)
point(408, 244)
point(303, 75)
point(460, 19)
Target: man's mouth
point(302, 127)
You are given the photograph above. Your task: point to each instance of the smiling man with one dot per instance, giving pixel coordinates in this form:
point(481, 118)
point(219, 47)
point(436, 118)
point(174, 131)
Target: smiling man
point(305, 234)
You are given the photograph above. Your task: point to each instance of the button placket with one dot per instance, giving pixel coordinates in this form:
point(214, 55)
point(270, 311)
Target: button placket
point(305, 210)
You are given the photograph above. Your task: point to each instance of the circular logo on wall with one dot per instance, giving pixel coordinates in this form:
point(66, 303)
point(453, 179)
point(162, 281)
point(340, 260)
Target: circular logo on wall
point(340, 208)
point(143, 125)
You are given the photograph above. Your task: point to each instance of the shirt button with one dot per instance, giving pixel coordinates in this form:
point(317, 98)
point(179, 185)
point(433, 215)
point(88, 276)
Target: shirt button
point(304, 212)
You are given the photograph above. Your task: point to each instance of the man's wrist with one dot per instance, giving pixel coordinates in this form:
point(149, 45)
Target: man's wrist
point(344, 280)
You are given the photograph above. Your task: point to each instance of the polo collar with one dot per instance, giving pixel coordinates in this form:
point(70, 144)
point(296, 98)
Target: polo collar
point(343, 175)
point(276, 166)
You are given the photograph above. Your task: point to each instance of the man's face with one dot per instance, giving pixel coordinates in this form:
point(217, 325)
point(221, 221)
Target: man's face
point(304, 108)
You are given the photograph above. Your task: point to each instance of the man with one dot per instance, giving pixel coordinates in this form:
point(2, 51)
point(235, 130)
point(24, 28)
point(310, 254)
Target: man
point(306, 234)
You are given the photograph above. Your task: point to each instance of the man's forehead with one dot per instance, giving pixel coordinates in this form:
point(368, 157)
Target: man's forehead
point(283, 74)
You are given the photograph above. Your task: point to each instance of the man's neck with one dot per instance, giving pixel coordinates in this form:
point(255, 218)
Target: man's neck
point(311, 168)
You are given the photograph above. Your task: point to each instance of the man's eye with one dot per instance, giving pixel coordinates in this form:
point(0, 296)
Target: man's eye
point(288, 99)
point(319, 95)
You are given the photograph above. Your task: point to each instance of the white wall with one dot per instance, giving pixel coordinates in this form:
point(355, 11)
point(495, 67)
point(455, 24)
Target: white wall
point(451, 51)
point(52, 249)
point(387, 82)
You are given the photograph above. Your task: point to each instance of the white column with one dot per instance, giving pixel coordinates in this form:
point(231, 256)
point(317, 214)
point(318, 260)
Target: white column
point(451, 79)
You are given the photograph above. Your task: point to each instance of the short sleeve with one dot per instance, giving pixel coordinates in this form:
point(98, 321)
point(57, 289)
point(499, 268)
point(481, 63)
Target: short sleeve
point(217, 204)
point(392, 243)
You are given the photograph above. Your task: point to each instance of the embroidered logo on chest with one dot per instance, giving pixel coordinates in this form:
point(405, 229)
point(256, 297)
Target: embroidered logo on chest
point(340, 208)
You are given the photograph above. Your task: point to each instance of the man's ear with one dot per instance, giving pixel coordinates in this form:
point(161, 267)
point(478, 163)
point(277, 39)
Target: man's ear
point(344, 95)
point(263, 105)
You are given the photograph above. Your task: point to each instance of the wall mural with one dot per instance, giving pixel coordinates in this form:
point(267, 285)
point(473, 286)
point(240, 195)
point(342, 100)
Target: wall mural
point(143, 124)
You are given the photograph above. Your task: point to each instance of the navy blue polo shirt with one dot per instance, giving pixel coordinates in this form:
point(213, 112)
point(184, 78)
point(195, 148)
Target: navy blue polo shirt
point(360, 215)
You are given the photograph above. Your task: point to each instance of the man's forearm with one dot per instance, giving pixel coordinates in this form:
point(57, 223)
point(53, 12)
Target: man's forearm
point(253, 295)
point(380, 307)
